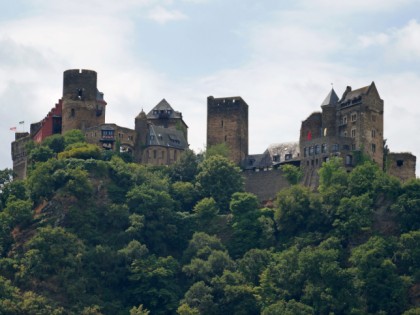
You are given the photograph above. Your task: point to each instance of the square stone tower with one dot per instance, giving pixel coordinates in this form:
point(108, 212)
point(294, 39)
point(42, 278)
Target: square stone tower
point(227, 122)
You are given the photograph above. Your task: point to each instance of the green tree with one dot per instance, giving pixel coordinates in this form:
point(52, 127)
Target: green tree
point(139, 310)
point(353, 216)
point(160, 231)
point(185, 194)
point(206, 209)
point(333, 181)
point(297, 210)
point(291, 307)
point(55, 142)
point(245, 224)
point(253, 263)
point(185, 169)
point(198, 299)
point(155, 283)
point(19, 212)
point(81, 151)
point(292, 173)
point(220, 149)
point(377, 277)
point(407, 206)
point(408, 254)
point(73, 136)
point(40, 154)
point(219, 178)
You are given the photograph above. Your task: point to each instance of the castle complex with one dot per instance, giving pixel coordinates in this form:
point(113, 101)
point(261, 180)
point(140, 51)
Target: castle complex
point(349, 127)
point(158, 138)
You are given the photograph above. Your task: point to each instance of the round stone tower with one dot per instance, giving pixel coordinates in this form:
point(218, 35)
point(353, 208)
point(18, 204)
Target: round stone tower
point(83, 104)
point(141, 135)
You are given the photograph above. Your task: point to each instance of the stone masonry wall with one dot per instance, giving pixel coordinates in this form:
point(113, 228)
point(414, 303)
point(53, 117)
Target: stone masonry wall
point(227, 122)
point(401, 165)
point(265, 184)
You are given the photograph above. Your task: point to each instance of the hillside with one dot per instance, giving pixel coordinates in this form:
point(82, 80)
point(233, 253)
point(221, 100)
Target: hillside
point(88, 232)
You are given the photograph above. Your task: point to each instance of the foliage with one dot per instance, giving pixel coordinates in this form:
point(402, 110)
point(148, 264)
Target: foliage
point(185, 169)
point(81, 151)
point(112, 237)
point(292, 173)
point(219, 178)
point(73, 136)
point(220, 149)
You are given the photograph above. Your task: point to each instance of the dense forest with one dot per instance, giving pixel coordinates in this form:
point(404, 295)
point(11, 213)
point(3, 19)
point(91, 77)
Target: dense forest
point(89, 232)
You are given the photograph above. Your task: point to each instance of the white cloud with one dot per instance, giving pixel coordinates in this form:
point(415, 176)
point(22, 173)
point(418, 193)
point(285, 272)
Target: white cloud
point(163, 15)
point(350, 7)
point(402, 43)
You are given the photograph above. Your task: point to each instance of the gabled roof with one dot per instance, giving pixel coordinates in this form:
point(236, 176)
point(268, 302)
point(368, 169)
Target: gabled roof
point(350, 95)
point(163, 109)
point(331, 99)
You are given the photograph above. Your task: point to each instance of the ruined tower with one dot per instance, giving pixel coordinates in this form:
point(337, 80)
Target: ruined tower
point(83, 104)
point(227, 122)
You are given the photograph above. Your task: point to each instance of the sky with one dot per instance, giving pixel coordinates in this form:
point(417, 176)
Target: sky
point(280, 56)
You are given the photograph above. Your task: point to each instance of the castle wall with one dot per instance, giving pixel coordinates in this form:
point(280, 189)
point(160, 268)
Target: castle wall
point(19, 154)
point(50, 125)
point(159, 155)
point(401, 165)
point(311, 128)
point(265, 184)
point(227, 122)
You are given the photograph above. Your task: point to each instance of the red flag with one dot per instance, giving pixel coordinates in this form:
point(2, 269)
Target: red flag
point(13, 129)
point(309, 135)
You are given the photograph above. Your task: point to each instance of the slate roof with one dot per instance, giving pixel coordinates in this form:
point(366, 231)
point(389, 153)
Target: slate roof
point(331, 99)
point(163, 108)
point(356, 93)
point(274, 155)
point(167, 137)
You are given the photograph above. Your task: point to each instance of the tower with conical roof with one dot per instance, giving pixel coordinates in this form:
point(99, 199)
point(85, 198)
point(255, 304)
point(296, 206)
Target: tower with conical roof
point(329, 111)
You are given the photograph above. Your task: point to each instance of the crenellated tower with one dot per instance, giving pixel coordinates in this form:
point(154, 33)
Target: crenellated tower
point(83, 105)
point(227, 122)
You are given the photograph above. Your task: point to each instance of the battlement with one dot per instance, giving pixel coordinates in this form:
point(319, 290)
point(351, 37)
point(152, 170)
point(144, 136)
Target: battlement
point(226, 102)
point(80, 84)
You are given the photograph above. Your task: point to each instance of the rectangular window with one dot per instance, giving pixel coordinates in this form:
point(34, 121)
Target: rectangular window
point(373, 133)
point(373, 146)
point(354, 117)
point(344, 120)
point(353, 133)
point(324, 148)
point(311, 150)
point(154, 154)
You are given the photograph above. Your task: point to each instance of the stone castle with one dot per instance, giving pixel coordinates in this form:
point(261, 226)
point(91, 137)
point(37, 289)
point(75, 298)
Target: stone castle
point(349, 127)
point(158, 138)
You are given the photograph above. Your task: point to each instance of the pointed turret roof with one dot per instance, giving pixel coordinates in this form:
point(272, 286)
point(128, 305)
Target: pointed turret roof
point(141, 115)
point(331, 99)
point(163, 109)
